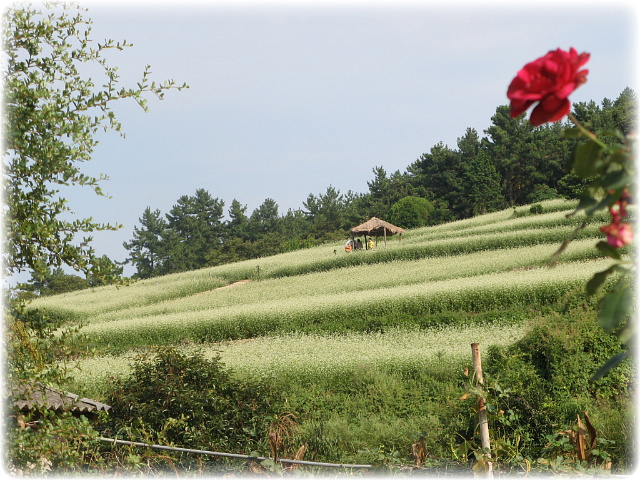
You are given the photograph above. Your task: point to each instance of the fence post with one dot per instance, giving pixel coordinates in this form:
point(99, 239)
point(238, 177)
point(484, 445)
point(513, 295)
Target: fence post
point(482, 410)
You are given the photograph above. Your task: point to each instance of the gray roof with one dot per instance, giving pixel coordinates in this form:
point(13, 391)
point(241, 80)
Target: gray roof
point(30, 395)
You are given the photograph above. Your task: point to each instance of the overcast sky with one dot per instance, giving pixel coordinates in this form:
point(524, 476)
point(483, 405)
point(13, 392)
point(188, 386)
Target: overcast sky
point(287, 98)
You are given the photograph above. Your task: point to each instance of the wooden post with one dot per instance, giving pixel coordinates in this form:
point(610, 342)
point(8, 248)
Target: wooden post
point(482, 409)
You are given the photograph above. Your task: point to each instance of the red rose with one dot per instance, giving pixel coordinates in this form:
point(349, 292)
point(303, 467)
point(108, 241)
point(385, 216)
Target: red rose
point(549, 80)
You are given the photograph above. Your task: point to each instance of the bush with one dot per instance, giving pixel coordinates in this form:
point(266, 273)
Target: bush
point(536, 209)
point(547, 374)
point(567, 349)
point(45, 442)
point(194, 402)
point(411, 212)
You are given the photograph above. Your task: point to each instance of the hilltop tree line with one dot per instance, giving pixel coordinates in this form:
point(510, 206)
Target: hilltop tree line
point(514, 164)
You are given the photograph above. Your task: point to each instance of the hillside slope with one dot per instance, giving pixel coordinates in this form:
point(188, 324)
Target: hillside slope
point(486, 263)
point(368, 348)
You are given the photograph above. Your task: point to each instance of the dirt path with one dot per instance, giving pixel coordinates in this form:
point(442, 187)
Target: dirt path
point(234, 284)
point(240, 282)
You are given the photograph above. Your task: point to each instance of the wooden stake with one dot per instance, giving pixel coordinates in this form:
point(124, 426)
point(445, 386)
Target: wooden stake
point(482, 409)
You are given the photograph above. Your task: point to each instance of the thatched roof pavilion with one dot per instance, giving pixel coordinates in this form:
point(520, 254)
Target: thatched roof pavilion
point(376, 228)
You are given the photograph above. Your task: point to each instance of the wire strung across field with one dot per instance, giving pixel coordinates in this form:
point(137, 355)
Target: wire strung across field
point(229, 455)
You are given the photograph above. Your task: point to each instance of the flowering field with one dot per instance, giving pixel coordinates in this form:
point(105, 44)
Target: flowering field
point(312, 311)
point(492, 232)
point(260, 310)
point(304, 358)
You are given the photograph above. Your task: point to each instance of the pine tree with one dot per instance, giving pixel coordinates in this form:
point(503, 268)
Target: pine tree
point(196, 224)
point(147, 249)
point(482, 185)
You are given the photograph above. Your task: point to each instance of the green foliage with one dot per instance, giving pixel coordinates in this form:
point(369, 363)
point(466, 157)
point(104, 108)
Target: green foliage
point(147, 248)
point(544, 379)
point(325, 212)
point(51, 118)
point(542, 192)
point(482, 185)
point(41, 442)
point(525, 156)
point(194, 228)
point(45, 443)
point(568, 352)
point(40, 346)
point(193, 401)
point(571, 186)
point(536, 209)
point(440, 172)
point(606, 159)
point(411, 212)
point(45, 281)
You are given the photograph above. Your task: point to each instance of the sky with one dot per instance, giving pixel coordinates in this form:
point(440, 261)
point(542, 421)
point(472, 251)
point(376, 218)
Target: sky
point(288, 98)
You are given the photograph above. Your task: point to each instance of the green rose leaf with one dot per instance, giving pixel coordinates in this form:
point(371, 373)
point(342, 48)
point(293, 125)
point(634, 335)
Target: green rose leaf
point(608, 200)
point(572, 132)
point(595, 284)
point(615, 133)
point(616, 180)
point(616, 306)
point(587, 159)
point(608, 250)
point(609, 365)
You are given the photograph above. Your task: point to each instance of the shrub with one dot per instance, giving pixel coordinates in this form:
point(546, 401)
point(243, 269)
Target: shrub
point(548, 374)
point(411, 212)
point(568, 349)
point(536, 209)
point(45, 442)
point(193, 401)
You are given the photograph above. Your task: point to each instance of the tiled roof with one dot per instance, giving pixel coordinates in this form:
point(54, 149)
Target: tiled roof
point(30, 395)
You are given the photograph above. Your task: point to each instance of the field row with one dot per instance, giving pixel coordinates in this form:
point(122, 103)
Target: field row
point(484, 225)
point(438, 247)
point(353, 279)
point(470, 294)
point(303, 358)
point(81, 304)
